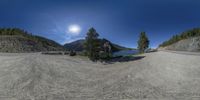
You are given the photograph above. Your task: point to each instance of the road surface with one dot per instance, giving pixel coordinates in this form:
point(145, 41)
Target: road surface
point(158, 76)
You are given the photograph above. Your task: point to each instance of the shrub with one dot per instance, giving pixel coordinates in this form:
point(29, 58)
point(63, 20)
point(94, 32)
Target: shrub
point(72, 53)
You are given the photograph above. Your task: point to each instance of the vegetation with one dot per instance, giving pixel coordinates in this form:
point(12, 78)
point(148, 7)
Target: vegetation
point(95, 48)
point(185, 35)
point(12, 31)
point(106, 52)
point(92, 44)
point(143, 42)
point(105, 56)
point(72, 53)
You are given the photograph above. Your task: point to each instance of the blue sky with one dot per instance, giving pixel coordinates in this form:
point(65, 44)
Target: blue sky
point(120, 21)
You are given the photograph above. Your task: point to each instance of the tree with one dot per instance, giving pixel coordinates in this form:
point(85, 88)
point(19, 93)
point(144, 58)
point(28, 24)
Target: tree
point(92, 44)
point(143, 42)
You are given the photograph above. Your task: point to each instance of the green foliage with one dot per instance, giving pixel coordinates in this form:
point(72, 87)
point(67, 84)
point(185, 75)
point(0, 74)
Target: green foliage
point(12, 31)
point(185, 35)
point(92, 44)
point(105, 56)
point(95, 48)
point(143, 42)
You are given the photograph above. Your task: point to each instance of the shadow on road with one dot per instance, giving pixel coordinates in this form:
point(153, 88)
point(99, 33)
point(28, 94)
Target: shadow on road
point(124, 59)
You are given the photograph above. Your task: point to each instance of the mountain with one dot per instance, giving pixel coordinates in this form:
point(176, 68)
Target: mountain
point(185, 41)
point(76, 45)
point(17, 40)
point(79, 45)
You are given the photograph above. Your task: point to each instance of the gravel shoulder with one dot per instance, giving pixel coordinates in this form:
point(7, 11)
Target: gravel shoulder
point(158, 76)
point(183, 52)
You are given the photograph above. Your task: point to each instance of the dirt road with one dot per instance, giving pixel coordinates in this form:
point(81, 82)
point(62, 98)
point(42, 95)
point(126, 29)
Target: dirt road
point(157, 76)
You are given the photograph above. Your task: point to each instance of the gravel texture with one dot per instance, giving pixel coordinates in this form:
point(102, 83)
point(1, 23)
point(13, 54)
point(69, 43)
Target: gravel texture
point(158, 76)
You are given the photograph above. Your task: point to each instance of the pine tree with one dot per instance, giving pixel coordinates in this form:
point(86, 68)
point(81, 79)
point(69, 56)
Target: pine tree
point(92, 44)
point(143, 42)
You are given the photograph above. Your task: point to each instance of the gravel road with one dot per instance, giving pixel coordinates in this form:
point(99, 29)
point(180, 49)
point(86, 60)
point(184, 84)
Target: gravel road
point(158, 76)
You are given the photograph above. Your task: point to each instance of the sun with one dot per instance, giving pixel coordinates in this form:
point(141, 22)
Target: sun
point(74, 29)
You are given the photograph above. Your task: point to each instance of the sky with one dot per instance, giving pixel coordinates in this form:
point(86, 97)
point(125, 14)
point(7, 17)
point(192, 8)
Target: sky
point(119, 21)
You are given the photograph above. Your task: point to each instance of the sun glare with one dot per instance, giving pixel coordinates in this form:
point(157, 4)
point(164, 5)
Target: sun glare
point(74, 29)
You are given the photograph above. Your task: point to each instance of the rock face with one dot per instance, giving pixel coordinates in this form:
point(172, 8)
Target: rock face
point(191, 44)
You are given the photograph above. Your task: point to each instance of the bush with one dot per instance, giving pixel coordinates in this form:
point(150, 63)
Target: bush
point(105, 56)
point(72, 53)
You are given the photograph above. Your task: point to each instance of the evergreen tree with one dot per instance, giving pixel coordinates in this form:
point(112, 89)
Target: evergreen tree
point(92, 44)
point(143, 42)
point(185, 35)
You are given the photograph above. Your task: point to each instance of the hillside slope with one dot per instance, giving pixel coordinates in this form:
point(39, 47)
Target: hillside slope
point(17, 40)
point(185, 41)
point(77, 45)
point(191, 44)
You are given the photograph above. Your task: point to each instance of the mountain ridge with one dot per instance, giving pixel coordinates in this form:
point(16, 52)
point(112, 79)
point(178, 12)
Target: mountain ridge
point(78, 45)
